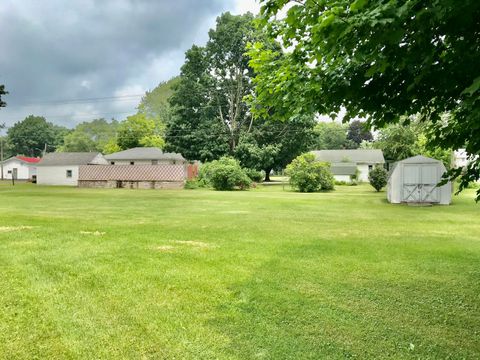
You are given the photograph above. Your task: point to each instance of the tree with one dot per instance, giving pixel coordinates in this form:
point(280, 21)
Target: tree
point(378, 178)
point(2, 92)
point(33, 135)
point(308, 175)
point(227, 174)
point(330, 136)
point(209, 111)
point(139, 131)
point(358, 132)
point(154, 104)
point(274, 144)
point(397, 142)
point(378, 60)
point(90, 136)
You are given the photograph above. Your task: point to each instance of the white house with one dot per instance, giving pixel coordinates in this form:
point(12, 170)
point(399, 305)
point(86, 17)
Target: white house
point(345, 163)
point(19, 167)
point(62, 168)
point(414, 180)
point(144, 156)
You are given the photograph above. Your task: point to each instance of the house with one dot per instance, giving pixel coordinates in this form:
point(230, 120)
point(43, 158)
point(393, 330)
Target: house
point(144, 156)
point(62, 168)
point(414, 180)
point(19, 167)
point(346, 163)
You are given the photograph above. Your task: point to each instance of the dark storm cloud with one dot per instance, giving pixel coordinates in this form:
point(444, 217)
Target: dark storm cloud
point(54, 50)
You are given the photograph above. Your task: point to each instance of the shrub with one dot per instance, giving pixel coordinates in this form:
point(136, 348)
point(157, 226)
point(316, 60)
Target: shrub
point(255, 175)
point(308, 175)
point(191, 184)
point(226, 174)
point(378, 177)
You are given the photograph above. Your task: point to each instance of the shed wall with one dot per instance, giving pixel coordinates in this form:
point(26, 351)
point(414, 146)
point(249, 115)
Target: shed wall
point(57, 175)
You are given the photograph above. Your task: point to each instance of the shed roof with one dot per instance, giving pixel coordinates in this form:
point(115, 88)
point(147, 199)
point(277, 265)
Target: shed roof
point(344, 169)
point(69, 158)
point(25, 159)
point(144, 153)
point(367, 156)
point(419, 159)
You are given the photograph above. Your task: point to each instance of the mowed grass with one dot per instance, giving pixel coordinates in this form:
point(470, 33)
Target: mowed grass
point(263, 274)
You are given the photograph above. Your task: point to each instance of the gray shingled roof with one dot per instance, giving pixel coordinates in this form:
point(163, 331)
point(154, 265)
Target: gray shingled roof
point(144, 153)
point(343, 169)
point(69, 158)
point(358, 156)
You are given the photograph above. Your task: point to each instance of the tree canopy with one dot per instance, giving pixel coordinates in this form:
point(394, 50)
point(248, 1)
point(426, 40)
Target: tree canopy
point(2, 92)
point(33, 134)
point(90, 136)
point(154, 104)
point(139, 131)
point(379, 60)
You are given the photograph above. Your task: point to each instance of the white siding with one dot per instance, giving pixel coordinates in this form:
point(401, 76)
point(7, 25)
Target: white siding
point(24, 171)
point(57, 175)
point(363, 169)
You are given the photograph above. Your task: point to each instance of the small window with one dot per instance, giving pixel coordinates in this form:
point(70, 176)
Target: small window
point(69, 173)
point(370, 167)
point(112, 162)
point(132, 162)
point(174, 162)
point(154, 162)
point(9, 171)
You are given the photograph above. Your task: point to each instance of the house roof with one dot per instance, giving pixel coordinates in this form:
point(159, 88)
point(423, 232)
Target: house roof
point(343, 169)
point(419, 159)
point(70, 158)
point(28, 160)
point(144, 153)
point(366, 156)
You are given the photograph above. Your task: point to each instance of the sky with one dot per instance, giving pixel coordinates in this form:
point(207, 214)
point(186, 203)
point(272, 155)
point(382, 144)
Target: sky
point(77, 60)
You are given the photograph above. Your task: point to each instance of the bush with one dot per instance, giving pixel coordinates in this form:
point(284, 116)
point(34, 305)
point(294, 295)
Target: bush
point(224, 174)
point(308, 175)
point(378, 178)
point(255, 175)
point(191, 184)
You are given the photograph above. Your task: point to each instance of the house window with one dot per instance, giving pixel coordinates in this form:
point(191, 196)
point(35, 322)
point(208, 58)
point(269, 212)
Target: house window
point(132, 162)
point(69, 173)
point(9, 171)
point(154, 162)
point(174, 162)
point(370, 167)
point(112, 162)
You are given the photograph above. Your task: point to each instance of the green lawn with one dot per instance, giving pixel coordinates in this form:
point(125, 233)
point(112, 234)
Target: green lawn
point(263, 274)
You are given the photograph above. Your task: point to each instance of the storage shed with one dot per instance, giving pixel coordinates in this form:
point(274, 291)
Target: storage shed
point(414, 180)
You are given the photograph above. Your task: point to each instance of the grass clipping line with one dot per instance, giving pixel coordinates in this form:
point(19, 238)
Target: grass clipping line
point(189, 243)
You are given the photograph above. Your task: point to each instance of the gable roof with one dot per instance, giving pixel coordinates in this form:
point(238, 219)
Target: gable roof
point(71, 158)
point(25, 159)
point(367, 156)
point(419, 159)
point(144, 153)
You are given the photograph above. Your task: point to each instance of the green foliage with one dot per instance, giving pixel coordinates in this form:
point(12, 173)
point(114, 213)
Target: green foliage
point(111, 147)
point(139, 131)
point(90, 136)
point(254, 175)
point(154, 104)
point(209, 112)
point(378, 178)
point(191, 184)
point(358, 131)
point(2, 92)
point(29, 136)
point(397, 142)
point(227, 174)
point(378, 60)
point(308, 175)
point(330, 136)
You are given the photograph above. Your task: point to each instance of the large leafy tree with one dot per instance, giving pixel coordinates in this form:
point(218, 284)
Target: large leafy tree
point(139, 131)
point(379, 60)
point(90, 136)
point(2, 92)
point(33, 135)
point(330, 136)
point(274, 144)
point(358, 132)
point(210, 114)
point(154, 104)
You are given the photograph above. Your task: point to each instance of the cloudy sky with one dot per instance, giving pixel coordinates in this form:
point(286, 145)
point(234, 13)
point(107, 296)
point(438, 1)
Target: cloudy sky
point(77, 60)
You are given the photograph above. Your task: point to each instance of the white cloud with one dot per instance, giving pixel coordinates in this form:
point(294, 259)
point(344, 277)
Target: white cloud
point(243, 6)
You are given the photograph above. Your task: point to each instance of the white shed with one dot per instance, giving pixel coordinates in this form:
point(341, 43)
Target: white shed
point(62, 168)
point(414, 180)
point(19, 167)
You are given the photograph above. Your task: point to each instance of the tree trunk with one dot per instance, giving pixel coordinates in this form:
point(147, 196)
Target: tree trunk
point(267, 175)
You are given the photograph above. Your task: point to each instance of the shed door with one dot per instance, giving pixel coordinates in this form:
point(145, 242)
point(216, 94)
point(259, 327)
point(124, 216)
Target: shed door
point(419, 183)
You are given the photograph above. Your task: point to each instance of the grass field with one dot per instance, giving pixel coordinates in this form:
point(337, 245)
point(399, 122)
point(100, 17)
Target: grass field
point(263, 274)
